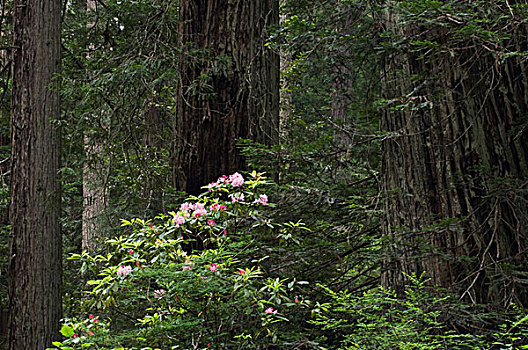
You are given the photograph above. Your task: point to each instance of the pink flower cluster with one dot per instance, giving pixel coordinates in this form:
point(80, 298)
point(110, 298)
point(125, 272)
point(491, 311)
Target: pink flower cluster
point(186, 207)
point(187, 265)
point(236, 180)
point(158, 293)
point(124, 270)
point(197, 209)
point(263, 199)
point(237, 197)
point(178, 220)
point(270, 311)
point(213, 267)
point(217, 207)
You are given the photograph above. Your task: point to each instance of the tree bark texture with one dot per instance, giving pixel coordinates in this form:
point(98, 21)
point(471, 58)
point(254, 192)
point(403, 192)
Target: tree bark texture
point(35, 249)
point(455, 166)
point(342, 84)
point(153, 146)
point(230, 91)
point(95, 173)
point(95, 194)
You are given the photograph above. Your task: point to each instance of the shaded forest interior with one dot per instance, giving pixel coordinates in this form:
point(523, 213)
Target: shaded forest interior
point(328, 174)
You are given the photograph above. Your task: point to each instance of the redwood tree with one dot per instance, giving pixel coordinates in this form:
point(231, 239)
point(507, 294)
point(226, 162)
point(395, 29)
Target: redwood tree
point(35, 247)
point(229, 87)
point(455, 150)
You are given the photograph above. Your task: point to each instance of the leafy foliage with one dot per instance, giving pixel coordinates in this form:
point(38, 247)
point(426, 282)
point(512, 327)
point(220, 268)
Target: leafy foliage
point(380, 319)
point(158, 293)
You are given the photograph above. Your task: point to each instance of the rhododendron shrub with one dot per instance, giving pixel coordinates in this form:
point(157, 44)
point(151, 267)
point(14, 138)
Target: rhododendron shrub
point(83, 332)
point(158, 294)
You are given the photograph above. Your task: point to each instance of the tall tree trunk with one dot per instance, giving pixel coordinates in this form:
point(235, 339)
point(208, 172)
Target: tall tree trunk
point(231, 92)
point(455, 168)
point(285, 98)
point(95, 193)
point(152, 146)
point(342, 82)
point(35, 248)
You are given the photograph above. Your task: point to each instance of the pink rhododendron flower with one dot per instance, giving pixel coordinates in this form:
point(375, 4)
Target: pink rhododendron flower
point(187, 265)
point(242, 272)
point(91, 316)
point(213, 267)
point(130, 251)
point(211, 222)
point(237, 197)
point(74, 335)
point(159, 293)
point(297, 300)
point(178, 220)
point(90, 332)
point(225, 232)
point(203, 278)
point(236, 180)
point(186, 207)
point(124, 270)
point(217, 207)
point(95, 320)
point(263, 199)
point(223, 179)
point(199, 212)
point(270, 310)
point(137, 263)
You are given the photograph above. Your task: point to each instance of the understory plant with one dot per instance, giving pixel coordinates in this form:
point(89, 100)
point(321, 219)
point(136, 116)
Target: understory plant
point(187, 279)
point(416, 319)
point(200, 277)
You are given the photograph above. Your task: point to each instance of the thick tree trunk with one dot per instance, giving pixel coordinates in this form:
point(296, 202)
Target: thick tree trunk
point(35, 248)
point(231, 92)
point(455, 169)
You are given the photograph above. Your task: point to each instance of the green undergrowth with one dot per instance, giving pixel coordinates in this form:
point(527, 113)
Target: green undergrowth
point(221, 272)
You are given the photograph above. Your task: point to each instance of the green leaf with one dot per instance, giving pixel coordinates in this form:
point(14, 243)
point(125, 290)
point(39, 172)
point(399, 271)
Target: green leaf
point(66, 331)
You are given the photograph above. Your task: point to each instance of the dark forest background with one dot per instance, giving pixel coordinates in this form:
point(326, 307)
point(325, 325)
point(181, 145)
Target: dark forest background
point(382, 147)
